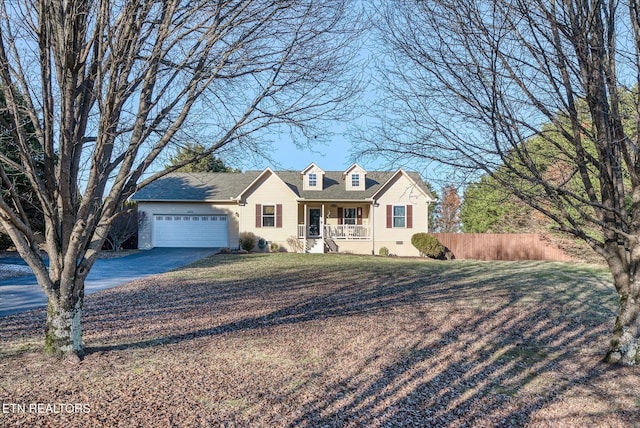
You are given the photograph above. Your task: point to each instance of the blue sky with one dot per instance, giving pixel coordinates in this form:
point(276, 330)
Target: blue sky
point(331, 153)
point(336, 154)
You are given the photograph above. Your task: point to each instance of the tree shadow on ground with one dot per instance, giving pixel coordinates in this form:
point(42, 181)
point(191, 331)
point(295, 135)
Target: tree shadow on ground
point(491, 344)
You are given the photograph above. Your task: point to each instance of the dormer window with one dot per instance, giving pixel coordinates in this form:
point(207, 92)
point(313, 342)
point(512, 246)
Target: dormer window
point(354, 178)
point(312, 177)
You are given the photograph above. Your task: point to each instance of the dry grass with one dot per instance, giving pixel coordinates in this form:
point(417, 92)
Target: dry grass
point(304, 341)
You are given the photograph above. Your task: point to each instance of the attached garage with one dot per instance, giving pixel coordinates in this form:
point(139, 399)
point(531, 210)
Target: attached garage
point(189, 230)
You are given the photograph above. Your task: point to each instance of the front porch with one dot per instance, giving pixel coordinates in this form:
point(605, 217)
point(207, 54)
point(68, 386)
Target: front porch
point(339, 232)
point(344, 222)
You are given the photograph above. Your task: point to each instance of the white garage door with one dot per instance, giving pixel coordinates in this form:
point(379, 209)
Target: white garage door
point(188, 230)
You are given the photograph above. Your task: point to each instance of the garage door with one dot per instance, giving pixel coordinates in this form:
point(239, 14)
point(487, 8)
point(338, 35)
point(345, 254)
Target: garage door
point(188, 230)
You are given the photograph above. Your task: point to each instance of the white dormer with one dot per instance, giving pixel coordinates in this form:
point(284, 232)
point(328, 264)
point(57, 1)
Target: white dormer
point(355, 177)
point(312, 177)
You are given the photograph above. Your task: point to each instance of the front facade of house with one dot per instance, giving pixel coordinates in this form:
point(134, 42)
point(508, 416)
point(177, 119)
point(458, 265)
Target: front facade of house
point(310, 210)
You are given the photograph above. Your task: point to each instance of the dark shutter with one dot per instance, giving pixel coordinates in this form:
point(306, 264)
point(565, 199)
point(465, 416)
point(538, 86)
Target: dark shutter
point(389, 216)
point(409, 216)
point(279, 215)
point(258, 215)
point(340, 215)
point(358, 215)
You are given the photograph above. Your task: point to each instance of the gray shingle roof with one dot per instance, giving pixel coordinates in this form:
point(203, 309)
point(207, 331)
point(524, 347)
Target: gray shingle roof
point(219, 186)
point(196, 186)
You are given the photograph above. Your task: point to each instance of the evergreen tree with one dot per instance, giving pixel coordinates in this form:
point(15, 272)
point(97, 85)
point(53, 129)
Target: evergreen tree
point(205, 162)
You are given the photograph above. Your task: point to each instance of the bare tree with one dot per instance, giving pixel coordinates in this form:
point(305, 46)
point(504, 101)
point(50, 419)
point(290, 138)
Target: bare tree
point(125, 225)
point(110, 86)
point(447, 213)
point(478, 85)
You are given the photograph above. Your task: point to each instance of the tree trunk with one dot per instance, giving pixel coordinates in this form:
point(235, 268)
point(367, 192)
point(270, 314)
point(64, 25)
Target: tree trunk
point(624, 348)
point(63, 335)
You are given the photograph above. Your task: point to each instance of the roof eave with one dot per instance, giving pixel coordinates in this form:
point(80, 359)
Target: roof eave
point(403, 172)
point(369, 200)
point(210, 201)
point(264, 172)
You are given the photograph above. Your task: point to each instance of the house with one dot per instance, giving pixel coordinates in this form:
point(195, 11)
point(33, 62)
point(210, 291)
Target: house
point(320, 211)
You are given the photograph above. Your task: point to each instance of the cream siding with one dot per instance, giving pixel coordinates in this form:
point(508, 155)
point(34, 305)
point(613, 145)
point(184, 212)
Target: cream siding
point(269, 190)
point(362, 175)
point(400, 191)
point(312, 169)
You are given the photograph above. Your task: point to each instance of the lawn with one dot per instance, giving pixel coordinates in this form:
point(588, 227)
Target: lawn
point(297, 340)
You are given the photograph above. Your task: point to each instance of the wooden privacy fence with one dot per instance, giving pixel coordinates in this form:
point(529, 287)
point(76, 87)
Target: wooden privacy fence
point(494, 246)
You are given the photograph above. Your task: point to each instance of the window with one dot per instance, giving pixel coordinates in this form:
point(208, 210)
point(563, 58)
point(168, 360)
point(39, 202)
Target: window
point(313, 180)
point(355, 180)
point(399, 216)
point(268, 216)
point(349, 215)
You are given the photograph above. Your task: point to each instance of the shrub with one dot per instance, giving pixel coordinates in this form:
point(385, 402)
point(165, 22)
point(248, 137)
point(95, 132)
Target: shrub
point(384, 251)
point(274, 248)
point(124, 227)
point(247, 241)
point(428, 245)
point(295, 244)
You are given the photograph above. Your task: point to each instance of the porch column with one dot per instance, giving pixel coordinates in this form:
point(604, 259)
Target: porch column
point(322, 222)
point(372, 227)
point(304, 230)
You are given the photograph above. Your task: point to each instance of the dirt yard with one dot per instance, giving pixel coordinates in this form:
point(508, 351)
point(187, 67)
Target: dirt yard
point(291, 340)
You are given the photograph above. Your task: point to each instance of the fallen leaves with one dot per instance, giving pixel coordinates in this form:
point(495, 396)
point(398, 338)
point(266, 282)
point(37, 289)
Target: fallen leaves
point(291, 340)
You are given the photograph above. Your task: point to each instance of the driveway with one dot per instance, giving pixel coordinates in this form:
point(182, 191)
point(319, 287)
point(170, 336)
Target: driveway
point(23, 293)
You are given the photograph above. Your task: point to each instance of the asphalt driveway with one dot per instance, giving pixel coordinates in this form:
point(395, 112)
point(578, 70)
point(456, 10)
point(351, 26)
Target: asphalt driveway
point(23, 293)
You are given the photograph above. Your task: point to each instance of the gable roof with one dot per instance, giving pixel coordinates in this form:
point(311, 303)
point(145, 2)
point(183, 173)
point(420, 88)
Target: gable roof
point(267, 171)
point(355, 165)
point(221, 186)
point(310, 166)
point(415, 180)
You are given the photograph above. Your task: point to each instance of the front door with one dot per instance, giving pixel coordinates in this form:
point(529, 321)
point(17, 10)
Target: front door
point(315, 215)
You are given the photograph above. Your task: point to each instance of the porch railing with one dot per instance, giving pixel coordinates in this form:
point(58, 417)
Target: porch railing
point(347, 231)
point(343, 231)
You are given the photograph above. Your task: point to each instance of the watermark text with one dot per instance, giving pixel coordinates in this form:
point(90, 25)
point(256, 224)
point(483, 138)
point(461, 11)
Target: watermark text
point(45, 408)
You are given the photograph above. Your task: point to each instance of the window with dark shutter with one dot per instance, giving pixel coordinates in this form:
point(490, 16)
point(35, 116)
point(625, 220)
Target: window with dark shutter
point(279, 215)
point(258, 215)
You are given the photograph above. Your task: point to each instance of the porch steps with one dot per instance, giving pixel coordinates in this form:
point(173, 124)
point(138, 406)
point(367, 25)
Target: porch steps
point(331, 245)
point(315, 246)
